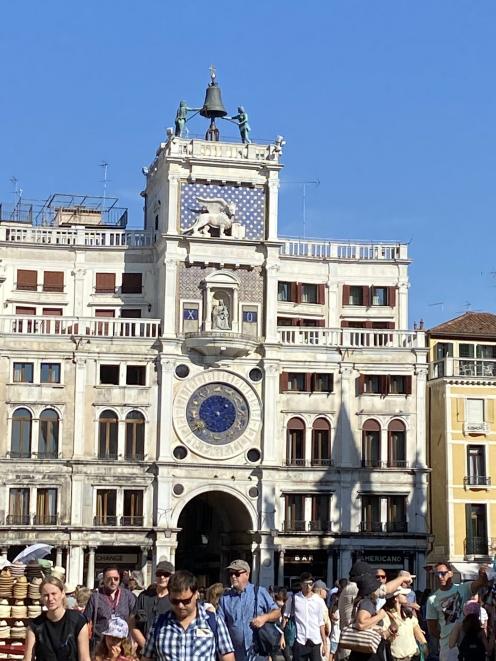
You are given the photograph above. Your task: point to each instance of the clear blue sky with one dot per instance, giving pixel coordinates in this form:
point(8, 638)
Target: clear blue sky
point(391, 104)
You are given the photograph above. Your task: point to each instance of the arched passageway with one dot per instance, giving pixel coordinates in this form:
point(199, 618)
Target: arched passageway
point(214, 530)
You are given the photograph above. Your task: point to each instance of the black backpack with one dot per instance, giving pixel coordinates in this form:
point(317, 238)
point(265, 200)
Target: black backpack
point(471, 648)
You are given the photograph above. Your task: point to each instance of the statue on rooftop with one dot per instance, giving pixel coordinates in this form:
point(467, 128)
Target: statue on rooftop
point(182, 117)
point(244, 127)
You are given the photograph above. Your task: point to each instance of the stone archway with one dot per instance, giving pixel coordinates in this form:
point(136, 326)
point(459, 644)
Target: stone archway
point(215, 529)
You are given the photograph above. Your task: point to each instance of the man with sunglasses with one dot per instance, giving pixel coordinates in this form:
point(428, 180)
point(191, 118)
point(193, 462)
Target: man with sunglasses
point(152, 602)
point(237, 607)
point(109, 600)
point(445, 606)
point(309, 612)
point(187, 632)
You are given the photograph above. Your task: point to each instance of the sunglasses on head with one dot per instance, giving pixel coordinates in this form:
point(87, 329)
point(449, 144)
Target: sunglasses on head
point(184, 602)
point(163, 573)
point(236, 573)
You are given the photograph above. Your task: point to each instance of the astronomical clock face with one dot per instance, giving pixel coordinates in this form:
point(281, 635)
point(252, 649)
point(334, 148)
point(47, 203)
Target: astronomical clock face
point(217, 413)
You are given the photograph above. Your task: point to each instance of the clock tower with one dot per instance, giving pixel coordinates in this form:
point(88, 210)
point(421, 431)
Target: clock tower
point(212, 205)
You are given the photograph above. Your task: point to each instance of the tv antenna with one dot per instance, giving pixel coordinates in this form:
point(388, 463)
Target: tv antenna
point(17, 190)
point(304, 184)
point(105, 180)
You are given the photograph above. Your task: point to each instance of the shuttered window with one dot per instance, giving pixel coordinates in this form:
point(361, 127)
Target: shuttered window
point(105, 283)
point(132, 283)
point(27, 280)
point(53, 281)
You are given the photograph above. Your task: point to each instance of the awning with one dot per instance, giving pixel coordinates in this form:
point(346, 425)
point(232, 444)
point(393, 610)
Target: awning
point(469, 571)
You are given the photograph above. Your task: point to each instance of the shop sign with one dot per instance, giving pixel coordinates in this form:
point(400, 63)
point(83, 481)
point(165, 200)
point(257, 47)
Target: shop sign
point(117, 558)
point(384, 558)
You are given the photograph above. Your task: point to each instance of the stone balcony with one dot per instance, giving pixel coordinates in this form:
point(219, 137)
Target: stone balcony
point(75, 236)
point(110, 327)
point(343, 250)
point(350, 338)
point(227, 344)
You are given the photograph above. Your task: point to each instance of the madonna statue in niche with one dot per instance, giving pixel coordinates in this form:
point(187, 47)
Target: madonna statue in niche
point(220, 316)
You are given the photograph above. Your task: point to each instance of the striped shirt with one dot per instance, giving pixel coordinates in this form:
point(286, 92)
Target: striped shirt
point(197, 643)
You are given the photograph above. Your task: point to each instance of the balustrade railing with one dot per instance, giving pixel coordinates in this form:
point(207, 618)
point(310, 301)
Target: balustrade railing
point(351, 338)
point(463, 367)
point(77, 236)
point(296, 525)
point(322, 249)
point(87, 326)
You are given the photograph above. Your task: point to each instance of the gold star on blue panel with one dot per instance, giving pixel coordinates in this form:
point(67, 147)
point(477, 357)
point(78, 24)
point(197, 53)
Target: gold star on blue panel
point(250, 205)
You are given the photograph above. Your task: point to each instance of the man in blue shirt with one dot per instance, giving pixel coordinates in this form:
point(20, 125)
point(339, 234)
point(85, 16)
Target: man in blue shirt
point(237, 607)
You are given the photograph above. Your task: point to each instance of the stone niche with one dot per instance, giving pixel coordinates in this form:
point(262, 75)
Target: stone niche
point(220, 302)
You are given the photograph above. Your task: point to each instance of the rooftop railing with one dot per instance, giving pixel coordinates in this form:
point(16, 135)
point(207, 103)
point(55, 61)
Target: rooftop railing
point(76, 236)
point(463, 368)
point(344, 250)
point(351, 338)
point(81, 326)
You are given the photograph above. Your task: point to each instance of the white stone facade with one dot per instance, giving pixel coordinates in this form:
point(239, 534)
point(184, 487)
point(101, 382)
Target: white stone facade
point(304, 343)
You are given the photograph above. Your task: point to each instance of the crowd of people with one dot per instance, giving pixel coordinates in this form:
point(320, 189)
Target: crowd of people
point(365, 617)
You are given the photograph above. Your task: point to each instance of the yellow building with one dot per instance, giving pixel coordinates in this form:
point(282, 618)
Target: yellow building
point(461, 437)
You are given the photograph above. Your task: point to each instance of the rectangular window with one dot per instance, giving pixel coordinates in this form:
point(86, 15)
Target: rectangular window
point(294, 512)
point(109, 375)
point(397, 384)
point(53, 281)
point(106, 502)
point(356, 296)
point(27, 280)
point(132, 283)
point(320, 513)
point(105, 283)
point(476, 465)
point(284, 291)
point(309, 293)
point(475, 410)
point(50, 373)
point(131, 313)
point(46, 507)
point(133, 508)
point(136, 375)
point(396, 513)
point(18, 507)
point(372, 384)
point(296, 381)
point(371, 514)
point(23, 373)
point(379, 295)
point(476, 542)
point(322, 382)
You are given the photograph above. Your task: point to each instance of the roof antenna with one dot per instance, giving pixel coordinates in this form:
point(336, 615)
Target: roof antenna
point(104, 165)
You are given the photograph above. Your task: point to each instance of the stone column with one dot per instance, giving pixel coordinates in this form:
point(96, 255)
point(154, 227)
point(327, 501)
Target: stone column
point(144, 565)
point(90, 576)
point(418, 449)
point(270, 303)
point(347, 449)
point(344, 563)
point(78, 283)
point(76, 557)
point(272, 206)
point(169, 330)
point(402, 305)
point(280, 568)
point(329, 570)
point(166, 381)
point(79, 407)
point(271, 434)
point(172, 224)
point(255, 568)
point(58, 556)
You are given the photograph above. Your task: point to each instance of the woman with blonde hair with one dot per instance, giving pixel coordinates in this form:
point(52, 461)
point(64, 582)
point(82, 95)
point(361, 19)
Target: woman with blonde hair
point(214, 593)
point(58, 633)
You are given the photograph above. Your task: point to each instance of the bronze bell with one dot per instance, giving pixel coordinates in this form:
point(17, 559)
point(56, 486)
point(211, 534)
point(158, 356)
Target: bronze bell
point(213, 106)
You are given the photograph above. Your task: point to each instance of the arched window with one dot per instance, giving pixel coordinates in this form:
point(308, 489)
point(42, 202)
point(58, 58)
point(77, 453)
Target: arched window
point(397, 444)
point(321, 442)
point(371, 444)
point(135, 436)
point(296, 442)
point(107, 435)
point(48, 440)
point(20, 446)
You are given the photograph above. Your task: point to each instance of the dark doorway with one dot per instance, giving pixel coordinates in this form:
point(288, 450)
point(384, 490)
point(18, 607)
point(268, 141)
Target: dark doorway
point(215, 529)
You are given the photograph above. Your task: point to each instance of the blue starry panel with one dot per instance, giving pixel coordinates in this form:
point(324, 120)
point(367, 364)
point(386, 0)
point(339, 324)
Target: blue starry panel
point(250, 205)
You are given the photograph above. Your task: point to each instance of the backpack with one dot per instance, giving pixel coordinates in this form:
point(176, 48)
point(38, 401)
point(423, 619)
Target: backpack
point(471, 648)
